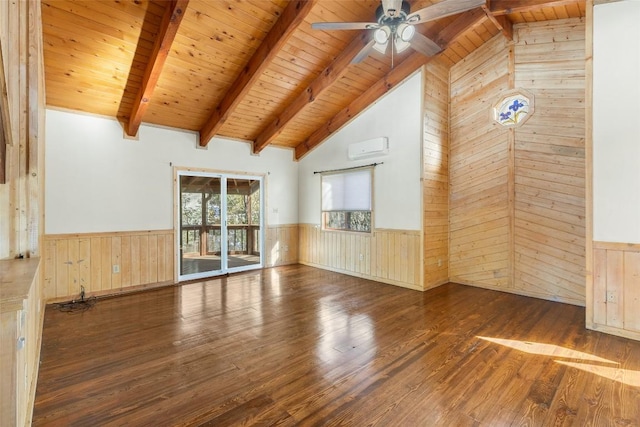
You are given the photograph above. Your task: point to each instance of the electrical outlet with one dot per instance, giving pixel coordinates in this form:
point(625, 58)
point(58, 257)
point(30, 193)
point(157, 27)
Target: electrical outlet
point(116, 268)
point(361, 257)
point(439, 263)
point(286, 248)
point(612, 297)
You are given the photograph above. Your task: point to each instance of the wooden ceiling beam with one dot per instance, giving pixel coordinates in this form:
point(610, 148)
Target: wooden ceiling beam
point(501, 22)
point(292, 16)
point(394, 77)
point(166, 34)
point(328, 77)
point(504, 7)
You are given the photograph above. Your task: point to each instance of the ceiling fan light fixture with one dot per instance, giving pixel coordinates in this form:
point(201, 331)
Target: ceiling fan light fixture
point(381, 35)
point(401, 45)
point(381, 47)
point(395, 25)
point(405, 32)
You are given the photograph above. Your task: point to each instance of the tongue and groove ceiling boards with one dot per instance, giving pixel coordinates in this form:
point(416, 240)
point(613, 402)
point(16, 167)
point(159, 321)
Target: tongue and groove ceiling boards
point(246, 69)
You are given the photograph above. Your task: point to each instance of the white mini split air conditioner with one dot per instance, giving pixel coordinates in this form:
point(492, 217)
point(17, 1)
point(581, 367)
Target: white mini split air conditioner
point(369, 148)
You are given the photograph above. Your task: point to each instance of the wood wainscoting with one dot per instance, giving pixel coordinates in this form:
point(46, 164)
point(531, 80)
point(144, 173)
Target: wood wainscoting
point(388, 256)
point(616, 289)
point(106, 263)
point(281, 245)
point(143, 259)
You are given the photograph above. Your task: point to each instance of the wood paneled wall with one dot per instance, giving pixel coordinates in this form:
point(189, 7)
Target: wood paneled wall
point(281, 245)
point(479, 165)
point(550, 167)
point(143, 259)
point(388, 256)
point(22, 114)
point(518, 195)
point(22, 105)
point(435, 174)
point(616, 289)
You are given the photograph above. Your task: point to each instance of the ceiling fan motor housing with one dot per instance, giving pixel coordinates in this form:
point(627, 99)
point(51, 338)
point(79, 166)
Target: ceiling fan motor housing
point(382, 17)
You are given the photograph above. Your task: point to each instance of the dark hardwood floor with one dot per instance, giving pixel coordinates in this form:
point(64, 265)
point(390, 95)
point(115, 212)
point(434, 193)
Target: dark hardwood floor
point(300, 346)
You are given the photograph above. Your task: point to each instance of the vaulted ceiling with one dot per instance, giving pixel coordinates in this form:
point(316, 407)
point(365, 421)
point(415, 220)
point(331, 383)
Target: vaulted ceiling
point(252, 70)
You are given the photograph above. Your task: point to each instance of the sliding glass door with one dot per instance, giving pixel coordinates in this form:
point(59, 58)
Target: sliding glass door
point(220, 222)
point(244, 219)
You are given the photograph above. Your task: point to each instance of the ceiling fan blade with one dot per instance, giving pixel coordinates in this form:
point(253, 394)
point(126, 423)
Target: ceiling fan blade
point(364, 52)
point(442, 9)
point(425, 45)
point(344, 25)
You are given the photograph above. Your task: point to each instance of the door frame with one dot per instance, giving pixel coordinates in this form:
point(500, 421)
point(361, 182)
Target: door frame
point(177, 226)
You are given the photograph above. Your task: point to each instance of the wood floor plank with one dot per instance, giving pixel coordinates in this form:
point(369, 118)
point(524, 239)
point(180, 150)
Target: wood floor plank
point(298, 346)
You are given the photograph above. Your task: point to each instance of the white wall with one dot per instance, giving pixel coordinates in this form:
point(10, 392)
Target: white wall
point(397, 186)
point(97, 181)
point(616, 122)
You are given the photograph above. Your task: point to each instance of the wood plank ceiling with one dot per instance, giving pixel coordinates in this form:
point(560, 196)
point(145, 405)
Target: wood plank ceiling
point(252, 70)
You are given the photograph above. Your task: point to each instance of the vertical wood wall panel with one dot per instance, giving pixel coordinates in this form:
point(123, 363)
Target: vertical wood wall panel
point(631, 291)
point(21, 196)
point(389, 256)
point(125, 260)
point(73, 261)
point(435, 175)
point(144, 259)
point(135, 260)
point(616, 288)
point(23, 107)
point(153, 259)
point(105, 266)
point(95, 260)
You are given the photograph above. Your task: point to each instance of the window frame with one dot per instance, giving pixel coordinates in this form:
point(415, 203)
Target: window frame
point(324, 213)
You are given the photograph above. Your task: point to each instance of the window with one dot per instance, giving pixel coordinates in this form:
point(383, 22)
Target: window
point(346, 200)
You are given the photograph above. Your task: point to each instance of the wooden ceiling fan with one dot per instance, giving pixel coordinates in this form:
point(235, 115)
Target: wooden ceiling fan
point(395, 23)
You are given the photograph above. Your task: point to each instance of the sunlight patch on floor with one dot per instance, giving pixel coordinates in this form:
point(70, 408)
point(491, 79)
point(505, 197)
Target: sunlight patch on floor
point(543, 349)
point(625, 376)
